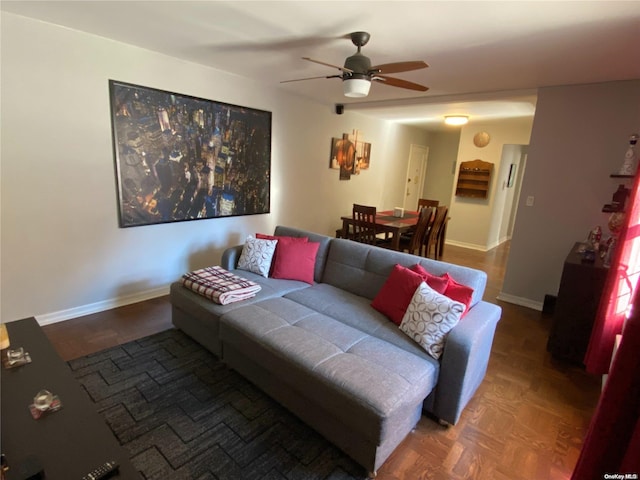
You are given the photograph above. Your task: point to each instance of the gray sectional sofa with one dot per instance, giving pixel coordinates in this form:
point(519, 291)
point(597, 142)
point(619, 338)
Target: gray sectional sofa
point(323, 352)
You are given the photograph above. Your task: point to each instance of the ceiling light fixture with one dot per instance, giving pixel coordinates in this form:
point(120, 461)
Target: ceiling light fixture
point(356, 87)
point(456, 119)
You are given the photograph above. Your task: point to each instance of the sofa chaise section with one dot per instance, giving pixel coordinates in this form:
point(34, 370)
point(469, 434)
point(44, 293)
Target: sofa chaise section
point(199, 317)
point(362, 393)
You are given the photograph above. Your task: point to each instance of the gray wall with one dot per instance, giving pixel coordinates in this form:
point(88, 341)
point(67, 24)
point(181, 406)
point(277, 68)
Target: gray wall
point(579, 137)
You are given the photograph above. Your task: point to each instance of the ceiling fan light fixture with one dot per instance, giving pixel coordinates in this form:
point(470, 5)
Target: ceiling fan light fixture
point(456, 120)
point(356, 87)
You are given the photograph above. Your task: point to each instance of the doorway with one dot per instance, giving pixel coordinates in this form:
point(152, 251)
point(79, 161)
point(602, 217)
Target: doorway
point(416, 172)
point(512, 166)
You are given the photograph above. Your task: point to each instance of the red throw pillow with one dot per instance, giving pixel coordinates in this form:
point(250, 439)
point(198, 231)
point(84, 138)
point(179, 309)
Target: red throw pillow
point(282, 241)
point(439, 284)
point(395, 295)
point(460, 293)
point(296, 261)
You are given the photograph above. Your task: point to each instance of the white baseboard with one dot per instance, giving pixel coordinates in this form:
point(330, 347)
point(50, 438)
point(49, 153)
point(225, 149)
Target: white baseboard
point(472, 246)
point(62, 315)
point(523, 302)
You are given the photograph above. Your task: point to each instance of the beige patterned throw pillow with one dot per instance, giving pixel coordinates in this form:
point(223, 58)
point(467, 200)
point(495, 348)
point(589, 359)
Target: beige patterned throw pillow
point(429, 318)
point(256, 255)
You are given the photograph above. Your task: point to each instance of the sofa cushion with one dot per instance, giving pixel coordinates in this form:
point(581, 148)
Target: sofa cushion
point(207, 311)
point(356, 311)
point(460, 293)
point(362, 269)
point(323, 248)
point(282, 244)
point(396, 293)
point(438, 283)
point(364, 381)
point(429, 318)
point(296, 261)
point(257, 255)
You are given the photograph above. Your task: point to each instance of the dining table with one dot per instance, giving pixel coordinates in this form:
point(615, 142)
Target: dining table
point(387, 222)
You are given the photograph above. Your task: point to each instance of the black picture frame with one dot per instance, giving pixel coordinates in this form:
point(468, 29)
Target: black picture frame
point(179, 157)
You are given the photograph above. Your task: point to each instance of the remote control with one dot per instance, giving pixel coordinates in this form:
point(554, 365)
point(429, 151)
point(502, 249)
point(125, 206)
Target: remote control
point(103, 471)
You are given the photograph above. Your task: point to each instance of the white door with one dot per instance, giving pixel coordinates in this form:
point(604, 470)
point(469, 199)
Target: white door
point(415, 176)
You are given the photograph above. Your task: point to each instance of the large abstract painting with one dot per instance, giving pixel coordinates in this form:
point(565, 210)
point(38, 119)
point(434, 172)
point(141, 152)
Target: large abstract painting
point(185, 158)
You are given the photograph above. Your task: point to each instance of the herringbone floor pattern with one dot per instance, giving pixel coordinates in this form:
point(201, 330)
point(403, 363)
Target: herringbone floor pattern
point(183, 415)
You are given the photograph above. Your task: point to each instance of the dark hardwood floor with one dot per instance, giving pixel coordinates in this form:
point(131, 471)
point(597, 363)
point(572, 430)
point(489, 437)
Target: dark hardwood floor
point(527, 420)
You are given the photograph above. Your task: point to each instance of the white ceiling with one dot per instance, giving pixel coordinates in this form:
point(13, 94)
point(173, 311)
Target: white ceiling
point(486, 58)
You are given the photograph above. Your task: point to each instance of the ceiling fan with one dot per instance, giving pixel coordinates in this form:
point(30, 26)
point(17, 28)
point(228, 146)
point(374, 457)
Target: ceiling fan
point(357, 73)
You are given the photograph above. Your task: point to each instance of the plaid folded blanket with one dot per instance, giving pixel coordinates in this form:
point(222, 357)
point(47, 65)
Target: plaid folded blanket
point(220, 285)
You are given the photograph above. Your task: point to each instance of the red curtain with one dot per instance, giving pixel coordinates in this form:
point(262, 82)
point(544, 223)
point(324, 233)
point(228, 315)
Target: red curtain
point(617, 296)
point(612, 444)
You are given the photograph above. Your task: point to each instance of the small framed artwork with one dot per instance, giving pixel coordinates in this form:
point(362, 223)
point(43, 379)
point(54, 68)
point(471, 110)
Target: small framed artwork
point(512, 175)
point(333, 156)
point(343, 156)
point(363, 155)
point(343, 153)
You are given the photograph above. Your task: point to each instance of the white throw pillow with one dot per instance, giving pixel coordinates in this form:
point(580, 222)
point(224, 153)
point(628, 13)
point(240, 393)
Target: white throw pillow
point(429, 318)
point(256, 255)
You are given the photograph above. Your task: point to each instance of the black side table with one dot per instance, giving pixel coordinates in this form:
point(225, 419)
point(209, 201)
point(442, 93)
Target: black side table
point(575, 311)
point(67, 443)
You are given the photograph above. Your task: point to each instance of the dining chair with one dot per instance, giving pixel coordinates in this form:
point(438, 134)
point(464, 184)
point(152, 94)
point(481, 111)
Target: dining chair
point(425, 202)
point(364, 226)
point(414, 240)
point(442, 234)
point(432, 239)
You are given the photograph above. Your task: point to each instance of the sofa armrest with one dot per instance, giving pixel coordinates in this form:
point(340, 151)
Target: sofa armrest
point(464, 361)
point(230, 257)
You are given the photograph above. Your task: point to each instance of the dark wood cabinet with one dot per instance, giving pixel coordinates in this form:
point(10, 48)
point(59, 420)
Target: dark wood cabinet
point(576, 307)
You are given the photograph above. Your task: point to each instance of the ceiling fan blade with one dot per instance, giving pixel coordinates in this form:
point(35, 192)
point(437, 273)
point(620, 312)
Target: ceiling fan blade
point(398, 67)
point(397, 82)
point(310, 78)
point(347, 70)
